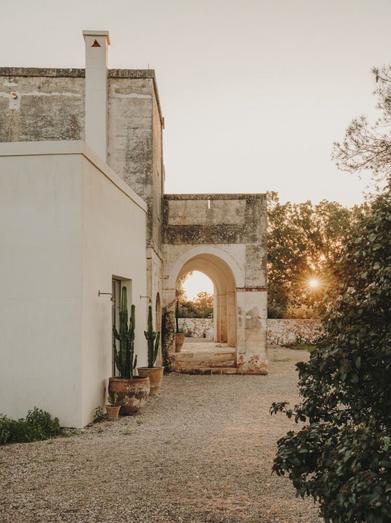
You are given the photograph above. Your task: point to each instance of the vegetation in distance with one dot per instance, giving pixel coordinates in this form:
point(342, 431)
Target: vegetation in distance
point(199, 307)
point(304, 242)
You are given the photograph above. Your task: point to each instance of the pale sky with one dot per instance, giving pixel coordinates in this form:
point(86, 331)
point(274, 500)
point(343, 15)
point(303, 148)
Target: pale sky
point(254, 92)
point(197, 282)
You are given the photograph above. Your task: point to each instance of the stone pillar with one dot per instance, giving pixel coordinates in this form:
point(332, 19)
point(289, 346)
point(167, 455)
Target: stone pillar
point(252, 304)
point(231, 318)
point(223, 317)
point(215, 315)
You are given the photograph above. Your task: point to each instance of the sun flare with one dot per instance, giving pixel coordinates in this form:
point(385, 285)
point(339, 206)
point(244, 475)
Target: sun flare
point(314, 283)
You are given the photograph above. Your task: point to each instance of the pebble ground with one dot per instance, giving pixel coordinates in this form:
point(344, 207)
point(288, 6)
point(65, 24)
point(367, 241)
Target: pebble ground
point(201, 452)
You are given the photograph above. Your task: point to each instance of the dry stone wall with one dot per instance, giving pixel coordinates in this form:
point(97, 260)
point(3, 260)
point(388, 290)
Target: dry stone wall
point(287, 332)
point(197, 327)
point(279, 332)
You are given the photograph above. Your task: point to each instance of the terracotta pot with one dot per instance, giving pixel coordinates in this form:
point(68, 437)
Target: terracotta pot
point(179, 341)
point(112, 412)
point(155, 375)
point(132, 394)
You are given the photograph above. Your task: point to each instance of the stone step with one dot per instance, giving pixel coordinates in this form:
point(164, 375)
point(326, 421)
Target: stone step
point(209, 370)
point(197, 357)
point(192, 366)
point(187, 367)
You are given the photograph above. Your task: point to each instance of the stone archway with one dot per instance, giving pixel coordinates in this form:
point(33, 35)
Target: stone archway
point(224, 283)
point(220, 354)
point(223, 236)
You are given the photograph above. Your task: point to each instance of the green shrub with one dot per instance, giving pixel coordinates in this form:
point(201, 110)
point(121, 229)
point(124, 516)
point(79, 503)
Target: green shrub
point(5, 429)
point(341, 456)
point(38, 425)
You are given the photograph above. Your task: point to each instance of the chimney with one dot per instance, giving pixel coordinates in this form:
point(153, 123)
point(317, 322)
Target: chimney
point(96, 43)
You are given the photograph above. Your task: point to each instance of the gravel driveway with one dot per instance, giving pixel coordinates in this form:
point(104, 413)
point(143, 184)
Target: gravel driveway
point(201, 452)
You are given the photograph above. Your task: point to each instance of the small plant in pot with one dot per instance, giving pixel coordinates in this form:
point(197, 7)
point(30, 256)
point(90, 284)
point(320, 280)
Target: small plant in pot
point(132, 391)
point(112, 406)
point(155, 374)
point(179, 336)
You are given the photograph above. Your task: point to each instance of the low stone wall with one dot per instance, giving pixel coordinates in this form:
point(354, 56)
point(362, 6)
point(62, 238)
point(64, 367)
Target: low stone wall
point(197, 327)
point(286, 332)
point(279, 332)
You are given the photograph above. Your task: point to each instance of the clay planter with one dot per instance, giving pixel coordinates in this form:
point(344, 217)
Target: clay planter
point(132, 394)
point(179, 341)
point(112, 412)
point(155, 375)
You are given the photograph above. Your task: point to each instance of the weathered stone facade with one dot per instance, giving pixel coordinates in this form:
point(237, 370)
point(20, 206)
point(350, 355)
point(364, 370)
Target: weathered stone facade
point(288, 332)
point(223, 235)
point(49, 104)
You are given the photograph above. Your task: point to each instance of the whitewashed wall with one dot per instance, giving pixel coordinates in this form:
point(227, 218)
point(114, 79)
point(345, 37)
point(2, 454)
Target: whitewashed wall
point(67, 225)
point(114, 230)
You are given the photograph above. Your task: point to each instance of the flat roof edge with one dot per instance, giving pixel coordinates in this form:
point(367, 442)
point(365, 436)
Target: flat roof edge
point(74, 72)
point(71, 147)
point(26, 72)
point(215, 196)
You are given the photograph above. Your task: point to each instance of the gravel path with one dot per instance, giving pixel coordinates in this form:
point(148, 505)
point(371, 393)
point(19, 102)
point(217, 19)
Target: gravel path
point(201, 452)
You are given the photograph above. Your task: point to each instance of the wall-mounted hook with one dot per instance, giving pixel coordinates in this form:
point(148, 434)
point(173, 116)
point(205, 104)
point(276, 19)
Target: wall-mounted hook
point(100, 293)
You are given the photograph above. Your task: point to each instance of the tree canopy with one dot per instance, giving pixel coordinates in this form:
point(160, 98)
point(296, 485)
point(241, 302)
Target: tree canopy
point(304, 243)
point(199, 307)
point(341, 455)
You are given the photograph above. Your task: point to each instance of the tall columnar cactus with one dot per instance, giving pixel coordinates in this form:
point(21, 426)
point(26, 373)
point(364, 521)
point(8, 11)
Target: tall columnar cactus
point(152, 338)
point(124, 357)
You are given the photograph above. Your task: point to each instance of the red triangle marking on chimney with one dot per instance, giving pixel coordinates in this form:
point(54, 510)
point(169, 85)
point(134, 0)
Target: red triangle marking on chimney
point(96, 44)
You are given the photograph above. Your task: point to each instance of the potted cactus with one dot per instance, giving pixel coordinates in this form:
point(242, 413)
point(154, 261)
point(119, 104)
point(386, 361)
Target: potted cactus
point(112, 406)
point(132, 391)
point(155, 374)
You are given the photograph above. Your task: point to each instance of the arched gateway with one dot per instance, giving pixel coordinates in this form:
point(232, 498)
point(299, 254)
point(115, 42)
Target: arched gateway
point(222, 236)
point(223, 280)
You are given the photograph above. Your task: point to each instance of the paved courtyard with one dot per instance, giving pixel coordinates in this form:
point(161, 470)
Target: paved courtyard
point(201, 452)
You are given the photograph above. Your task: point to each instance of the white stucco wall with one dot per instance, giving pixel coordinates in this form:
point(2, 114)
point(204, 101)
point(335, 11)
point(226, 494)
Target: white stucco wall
point(113, 232)
point(67, 225)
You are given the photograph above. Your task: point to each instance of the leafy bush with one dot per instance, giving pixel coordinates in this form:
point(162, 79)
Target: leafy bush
point(38, 425)
point(341, 456)
point(199, 307)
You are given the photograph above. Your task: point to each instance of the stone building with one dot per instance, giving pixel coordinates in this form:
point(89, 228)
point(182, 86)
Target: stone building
point(81, 171)
point(223, 236)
